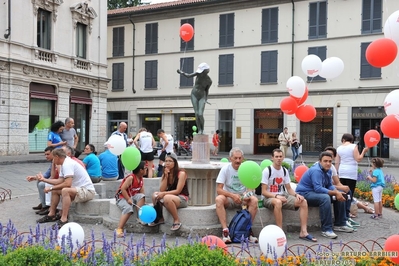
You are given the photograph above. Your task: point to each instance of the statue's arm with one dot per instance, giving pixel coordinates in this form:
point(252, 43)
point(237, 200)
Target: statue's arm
point(186, 74)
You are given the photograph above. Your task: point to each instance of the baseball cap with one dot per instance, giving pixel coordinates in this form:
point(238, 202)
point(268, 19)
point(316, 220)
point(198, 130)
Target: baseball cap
point(202, 67)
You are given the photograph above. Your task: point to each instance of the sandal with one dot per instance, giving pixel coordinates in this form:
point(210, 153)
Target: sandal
point(46, 219)
point(59, 224)
point(175, 227)
point(375, 217)
point(156, 223)
point(351, 215)
point(369, 210)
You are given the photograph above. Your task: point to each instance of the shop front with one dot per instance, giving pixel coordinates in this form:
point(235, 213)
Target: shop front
point(364, 119)
point(151, 122)
point(318, 133)
point(184, 126)
point(268, 125)
point(80, 110)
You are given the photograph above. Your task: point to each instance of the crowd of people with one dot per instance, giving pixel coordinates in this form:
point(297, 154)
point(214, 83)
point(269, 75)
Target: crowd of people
point(69, 179)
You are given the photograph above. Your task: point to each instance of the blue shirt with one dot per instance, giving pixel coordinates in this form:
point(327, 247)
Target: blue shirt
point(380, 178)
point(93, 166)
point(54, 138)
point(316, 180)
point(109, 164)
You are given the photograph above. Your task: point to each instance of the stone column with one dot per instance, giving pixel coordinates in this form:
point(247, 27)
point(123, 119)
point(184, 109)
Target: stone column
point(200, 149)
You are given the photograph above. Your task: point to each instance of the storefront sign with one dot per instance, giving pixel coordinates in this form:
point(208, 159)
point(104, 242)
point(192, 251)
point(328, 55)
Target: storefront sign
point(368, 115)
point(152, 119)
point(187, 118)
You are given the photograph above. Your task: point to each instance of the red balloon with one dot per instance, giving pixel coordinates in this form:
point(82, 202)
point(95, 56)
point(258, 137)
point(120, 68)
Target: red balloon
point(302, 99)
point(299, 171)
point(392, 244)
point(381, 52)
point(214, 241)
point(390, 125)
point(371, 138)
point(306, 113)
point(288, 105)
point(186, 32)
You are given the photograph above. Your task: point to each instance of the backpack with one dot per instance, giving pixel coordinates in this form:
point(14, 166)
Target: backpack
point(240, 226)
point(258, 190)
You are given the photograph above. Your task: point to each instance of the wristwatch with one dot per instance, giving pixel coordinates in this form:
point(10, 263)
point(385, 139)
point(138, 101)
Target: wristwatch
point(51, 188)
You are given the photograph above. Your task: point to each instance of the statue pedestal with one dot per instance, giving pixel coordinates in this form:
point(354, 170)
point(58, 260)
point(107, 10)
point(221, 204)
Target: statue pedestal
point(200, 149)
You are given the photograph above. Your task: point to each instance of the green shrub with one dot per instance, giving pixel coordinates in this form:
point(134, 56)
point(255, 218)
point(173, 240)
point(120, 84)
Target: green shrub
point(34, 256)
point(193, 254)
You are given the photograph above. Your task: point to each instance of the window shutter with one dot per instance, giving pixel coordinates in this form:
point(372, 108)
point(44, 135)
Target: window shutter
point(322, 19)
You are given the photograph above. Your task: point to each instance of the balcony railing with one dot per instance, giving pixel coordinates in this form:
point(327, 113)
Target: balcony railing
point(46, 56)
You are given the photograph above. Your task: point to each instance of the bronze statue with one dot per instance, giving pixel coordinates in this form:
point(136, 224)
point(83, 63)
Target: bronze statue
point(199, 94)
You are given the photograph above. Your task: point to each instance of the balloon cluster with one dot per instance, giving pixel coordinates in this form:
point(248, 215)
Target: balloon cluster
point(130, 156)
point(390, 124)
point(382, 52)
point(194, 128)
point(312, 66)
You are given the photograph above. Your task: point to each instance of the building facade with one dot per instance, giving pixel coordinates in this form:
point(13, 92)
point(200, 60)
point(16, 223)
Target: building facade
point(252, 47)
point(52, 66)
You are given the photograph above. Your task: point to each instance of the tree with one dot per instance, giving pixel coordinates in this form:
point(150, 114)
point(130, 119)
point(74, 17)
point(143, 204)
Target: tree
point(115, 4)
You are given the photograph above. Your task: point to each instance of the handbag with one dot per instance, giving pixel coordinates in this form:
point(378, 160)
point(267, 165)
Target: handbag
point(297, 145)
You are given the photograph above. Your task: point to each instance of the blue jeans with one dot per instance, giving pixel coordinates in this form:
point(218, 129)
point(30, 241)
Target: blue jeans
point(295, 153)
point(323, 201)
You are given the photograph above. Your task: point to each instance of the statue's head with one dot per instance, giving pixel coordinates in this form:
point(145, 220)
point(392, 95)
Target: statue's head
point(203, 68)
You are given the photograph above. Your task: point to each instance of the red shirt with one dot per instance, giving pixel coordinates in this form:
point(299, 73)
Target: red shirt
point(134, 188)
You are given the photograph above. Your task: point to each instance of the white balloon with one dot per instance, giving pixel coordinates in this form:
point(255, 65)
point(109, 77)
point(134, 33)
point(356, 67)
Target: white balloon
point(116, 144)
point(391, 27)
point(391, 103)
point(296, 86)
point(272, 241)
point(77, 233)
point(311, 65)
point(331, 68)
point(293, 185)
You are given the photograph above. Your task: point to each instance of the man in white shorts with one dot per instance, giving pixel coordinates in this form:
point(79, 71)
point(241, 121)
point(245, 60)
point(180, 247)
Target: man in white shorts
point(232, 193)
point(73, 185)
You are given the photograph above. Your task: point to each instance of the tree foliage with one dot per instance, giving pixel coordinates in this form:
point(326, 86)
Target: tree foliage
point(115, 4)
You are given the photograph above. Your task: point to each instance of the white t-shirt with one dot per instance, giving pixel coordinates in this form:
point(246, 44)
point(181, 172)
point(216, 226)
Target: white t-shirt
point(168, 148)
point(347, 165)
point(145, 141)
point(275, 183)
point(80, 177)
point(229, 177)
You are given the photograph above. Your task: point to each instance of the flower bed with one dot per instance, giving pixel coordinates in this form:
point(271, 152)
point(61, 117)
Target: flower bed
point(42, 247)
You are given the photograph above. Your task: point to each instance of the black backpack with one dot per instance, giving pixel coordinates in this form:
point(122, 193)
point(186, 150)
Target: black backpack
point(240, 226)
point(258, 190)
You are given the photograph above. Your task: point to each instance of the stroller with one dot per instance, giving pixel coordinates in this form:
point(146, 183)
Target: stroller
point(183, 148)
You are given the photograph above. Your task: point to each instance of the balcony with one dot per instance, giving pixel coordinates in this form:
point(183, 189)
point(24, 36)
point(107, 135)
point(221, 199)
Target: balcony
point(46, 56)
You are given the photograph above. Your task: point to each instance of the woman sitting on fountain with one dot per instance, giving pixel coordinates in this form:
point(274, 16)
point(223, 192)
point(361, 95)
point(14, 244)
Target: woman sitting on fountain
point(173, 192)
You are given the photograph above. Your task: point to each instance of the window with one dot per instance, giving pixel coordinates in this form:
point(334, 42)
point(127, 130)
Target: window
point(226, 30)
point(118, 75)
point(317, 20)
point(371, 16)
point(189, 46)
point(268, 72)
point(118, 41)
point(151, 74)
point(151, 38)
point(270, 25)
point(367, 70)
point(321, 52)
point(226, 69)
point(44, 29)
point(187, 65)
point(81, 40)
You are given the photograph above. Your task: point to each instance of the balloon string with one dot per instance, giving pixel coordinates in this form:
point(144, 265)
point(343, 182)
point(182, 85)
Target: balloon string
point(184, 56)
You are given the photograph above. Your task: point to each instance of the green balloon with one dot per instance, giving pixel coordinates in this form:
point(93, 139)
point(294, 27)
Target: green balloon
point(265, 163)
point(224, 160)
point(250, 174)
point(194, 128)
point(194, 133)
point(397, 202)
point(131, 158)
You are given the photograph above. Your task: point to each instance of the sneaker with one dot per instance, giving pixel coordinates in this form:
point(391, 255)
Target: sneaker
point(343, 228)
point(353, 223)
point(348, 224)
point(252, 239)
point(226, 236)
point(329, 234)
point(119, 232)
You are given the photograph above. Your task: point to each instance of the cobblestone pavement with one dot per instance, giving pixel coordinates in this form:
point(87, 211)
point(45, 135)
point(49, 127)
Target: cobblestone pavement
point(25, 196)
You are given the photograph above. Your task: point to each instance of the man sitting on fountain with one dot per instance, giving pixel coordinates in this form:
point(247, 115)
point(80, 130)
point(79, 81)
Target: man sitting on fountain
point(231, 192)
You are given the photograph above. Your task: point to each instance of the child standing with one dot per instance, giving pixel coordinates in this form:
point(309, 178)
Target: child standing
point(377, 185)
